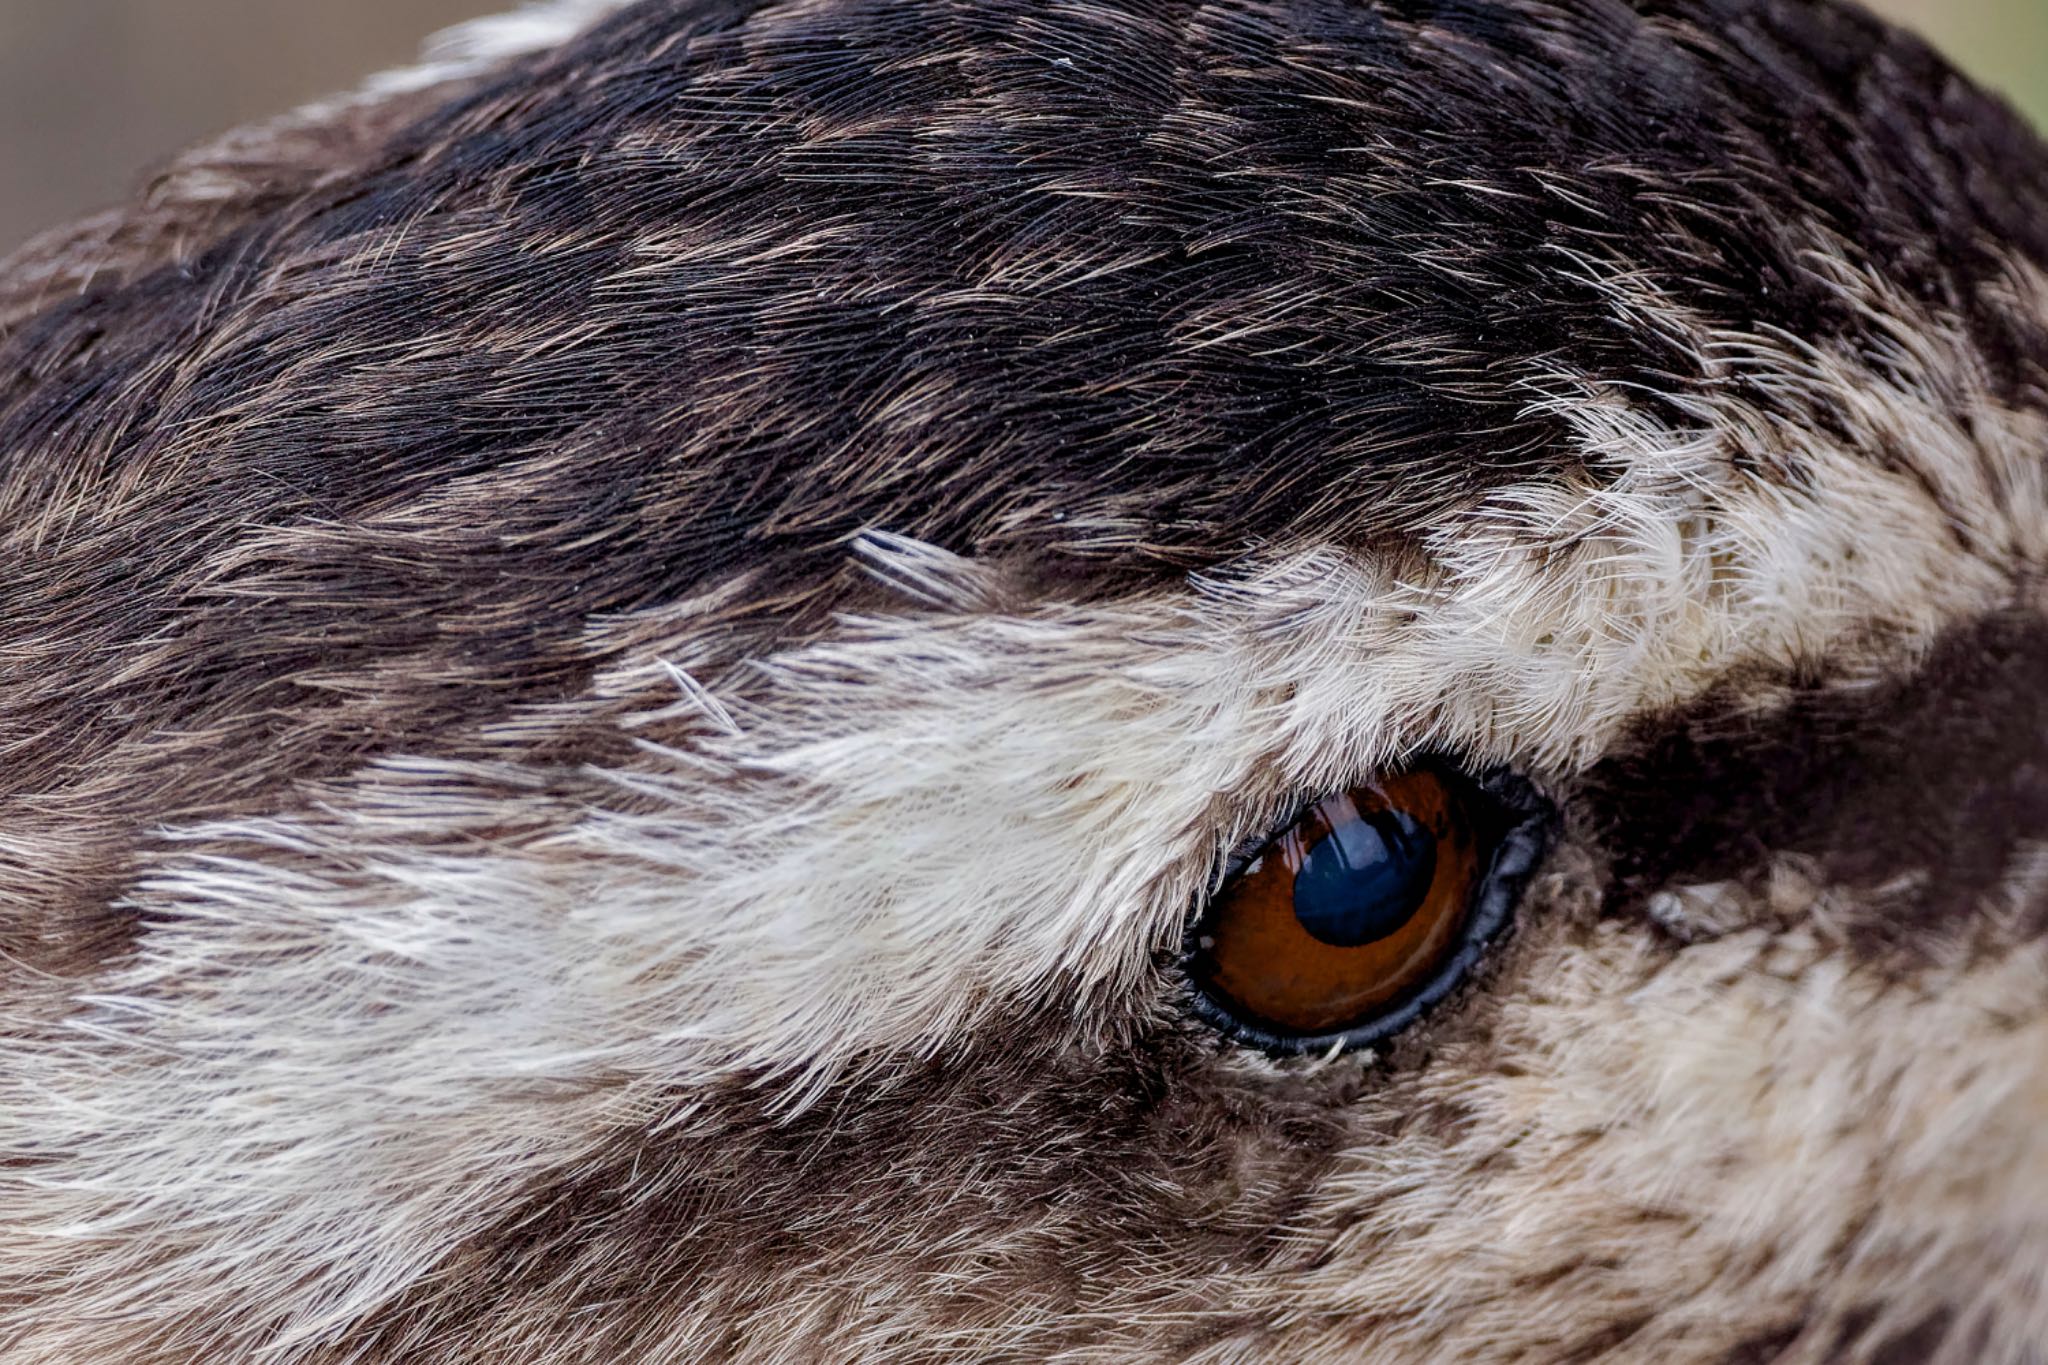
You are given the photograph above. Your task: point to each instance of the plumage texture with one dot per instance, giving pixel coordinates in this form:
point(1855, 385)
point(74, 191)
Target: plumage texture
point(626, 654)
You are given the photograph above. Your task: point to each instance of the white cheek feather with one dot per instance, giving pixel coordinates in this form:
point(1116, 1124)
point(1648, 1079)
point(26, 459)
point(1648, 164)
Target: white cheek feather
point(356, 1032)
point(475, 47)
point(1724, 1131)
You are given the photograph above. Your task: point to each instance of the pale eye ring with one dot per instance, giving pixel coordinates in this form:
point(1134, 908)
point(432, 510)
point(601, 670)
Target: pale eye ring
point(1366, 908)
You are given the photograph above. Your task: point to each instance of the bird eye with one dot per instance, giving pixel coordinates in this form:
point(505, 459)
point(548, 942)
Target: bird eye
point(1367, 908)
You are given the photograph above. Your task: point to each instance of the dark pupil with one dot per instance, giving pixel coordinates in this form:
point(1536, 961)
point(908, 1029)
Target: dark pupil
point(1365, 880)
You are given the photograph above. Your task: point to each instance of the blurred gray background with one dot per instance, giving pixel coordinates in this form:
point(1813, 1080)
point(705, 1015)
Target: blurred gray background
point(93, 91)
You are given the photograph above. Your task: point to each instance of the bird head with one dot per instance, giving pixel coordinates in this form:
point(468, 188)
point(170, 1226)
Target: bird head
point(965, 680)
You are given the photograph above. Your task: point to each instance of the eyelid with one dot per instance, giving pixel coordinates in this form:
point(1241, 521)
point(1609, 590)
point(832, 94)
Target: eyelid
point(1508, 788)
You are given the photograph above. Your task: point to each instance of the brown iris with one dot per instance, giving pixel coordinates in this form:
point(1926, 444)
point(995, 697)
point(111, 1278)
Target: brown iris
point(1345, 912)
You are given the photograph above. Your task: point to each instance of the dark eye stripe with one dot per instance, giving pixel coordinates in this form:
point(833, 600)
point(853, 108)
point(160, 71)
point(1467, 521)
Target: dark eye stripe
point(1943, 771)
